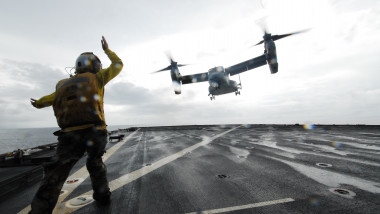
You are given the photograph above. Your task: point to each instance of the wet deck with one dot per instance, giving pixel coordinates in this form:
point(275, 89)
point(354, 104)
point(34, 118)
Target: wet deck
point(235, 169)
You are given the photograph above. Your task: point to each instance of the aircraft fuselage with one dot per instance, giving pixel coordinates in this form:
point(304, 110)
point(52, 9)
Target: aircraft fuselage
point(220, 82)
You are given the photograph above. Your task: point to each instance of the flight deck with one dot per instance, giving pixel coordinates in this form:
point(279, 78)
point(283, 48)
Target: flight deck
point(229, 169)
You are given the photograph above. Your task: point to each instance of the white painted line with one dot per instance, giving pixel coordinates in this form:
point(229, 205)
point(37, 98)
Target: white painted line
point(82, 173)
point(125, 179)
point(248, 206)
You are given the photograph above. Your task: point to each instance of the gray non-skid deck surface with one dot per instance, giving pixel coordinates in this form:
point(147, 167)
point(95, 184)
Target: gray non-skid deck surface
point(248, 165)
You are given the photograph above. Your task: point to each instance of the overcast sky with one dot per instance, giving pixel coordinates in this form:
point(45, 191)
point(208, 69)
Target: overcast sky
point(329, 75)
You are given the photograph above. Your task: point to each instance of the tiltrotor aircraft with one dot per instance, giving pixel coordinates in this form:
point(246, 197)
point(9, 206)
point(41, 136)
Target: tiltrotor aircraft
point(219, 77)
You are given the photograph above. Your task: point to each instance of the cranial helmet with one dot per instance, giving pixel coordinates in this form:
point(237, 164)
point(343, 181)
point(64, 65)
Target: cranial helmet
point(87, 62)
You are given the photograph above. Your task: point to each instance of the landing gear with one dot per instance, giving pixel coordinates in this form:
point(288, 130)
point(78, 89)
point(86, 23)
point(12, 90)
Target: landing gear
point(212, 97)
point(237, 93)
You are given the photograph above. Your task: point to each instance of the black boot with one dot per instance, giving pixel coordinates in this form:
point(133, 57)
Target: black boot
point(102, 198)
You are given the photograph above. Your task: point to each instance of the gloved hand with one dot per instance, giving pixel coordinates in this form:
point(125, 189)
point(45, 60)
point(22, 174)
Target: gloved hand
point(104, 43)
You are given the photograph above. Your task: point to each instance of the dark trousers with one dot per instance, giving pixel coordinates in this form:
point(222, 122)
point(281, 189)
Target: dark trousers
point(71, 147)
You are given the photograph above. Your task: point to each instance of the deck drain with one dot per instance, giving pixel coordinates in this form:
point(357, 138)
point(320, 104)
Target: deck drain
point(222, 176)
point(82, 200)
point(324, 164)
point(343, 192)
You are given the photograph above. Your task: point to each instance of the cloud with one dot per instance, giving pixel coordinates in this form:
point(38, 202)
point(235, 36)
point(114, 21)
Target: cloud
point(23, 81)
point(154, 105)
point(327, 75)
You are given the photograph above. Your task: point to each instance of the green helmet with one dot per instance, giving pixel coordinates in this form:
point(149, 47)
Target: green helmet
point(87, 62)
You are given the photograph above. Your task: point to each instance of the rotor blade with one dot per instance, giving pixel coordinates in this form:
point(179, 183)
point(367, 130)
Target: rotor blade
point(261, 42)
point(262, 23)
point(276, 37)
point(164, 69)
point(180, 65)
point(169, 55)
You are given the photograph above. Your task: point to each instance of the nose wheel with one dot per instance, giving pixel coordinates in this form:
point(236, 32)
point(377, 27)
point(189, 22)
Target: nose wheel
point(212, 97)
point(237, 93)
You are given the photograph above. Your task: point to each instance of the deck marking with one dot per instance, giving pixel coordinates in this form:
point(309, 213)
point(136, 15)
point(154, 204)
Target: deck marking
point(248, 206)
point(331, 178)
point(125, 179)
point(83, 174)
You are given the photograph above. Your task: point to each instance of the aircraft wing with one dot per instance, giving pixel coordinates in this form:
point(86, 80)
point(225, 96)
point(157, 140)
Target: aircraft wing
point(194, 78)
point(247, 65)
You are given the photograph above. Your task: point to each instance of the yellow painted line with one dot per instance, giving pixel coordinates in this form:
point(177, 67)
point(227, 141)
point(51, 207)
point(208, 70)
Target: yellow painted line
point(125, 179)
point(248, 206)
point(82, 174)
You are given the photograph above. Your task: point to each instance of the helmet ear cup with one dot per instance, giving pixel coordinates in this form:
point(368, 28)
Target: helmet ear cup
point(96, 64)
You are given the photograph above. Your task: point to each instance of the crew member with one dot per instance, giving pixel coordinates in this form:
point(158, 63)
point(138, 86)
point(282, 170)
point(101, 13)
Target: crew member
point(78, 107)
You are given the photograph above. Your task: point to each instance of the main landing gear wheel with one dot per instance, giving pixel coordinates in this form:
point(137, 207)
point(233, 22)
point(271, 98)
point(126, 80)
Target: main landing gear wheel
point(212, 98)
point(237, 93)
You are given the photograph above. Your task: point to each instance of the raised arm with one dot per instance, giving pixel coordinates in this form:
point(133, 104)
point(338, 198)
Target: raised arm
point(105, 75)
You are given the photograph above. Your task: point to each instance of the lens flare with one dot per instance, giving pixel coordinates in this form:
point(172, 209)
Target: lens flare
point(27, 135)
point(337, 144)
point(54, 158)
point(89, 143)
point(83, 99)
point(308, 126)
point(96, 97)
point(176, 86)
point(87, 62)
point(315, 202)
point(214, 84)
point(301, 141)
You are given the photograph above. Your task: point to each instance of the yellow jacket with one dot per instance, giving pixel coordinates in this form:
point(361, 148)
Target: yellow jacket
point(103, 77)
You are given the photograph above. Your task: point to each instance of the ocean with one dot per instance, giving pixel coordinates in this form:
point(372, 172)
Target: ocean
point(13, 139)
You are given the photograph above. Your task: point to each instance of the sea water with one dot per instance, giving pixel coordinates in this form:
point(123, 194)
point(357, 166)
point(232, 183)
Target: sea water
point(13, 139)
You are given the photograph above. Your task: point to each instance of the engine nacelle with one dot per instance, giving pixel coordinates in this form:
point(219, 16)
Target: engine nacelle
point(273, 66)
point(271, 54)
point(176, 81)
